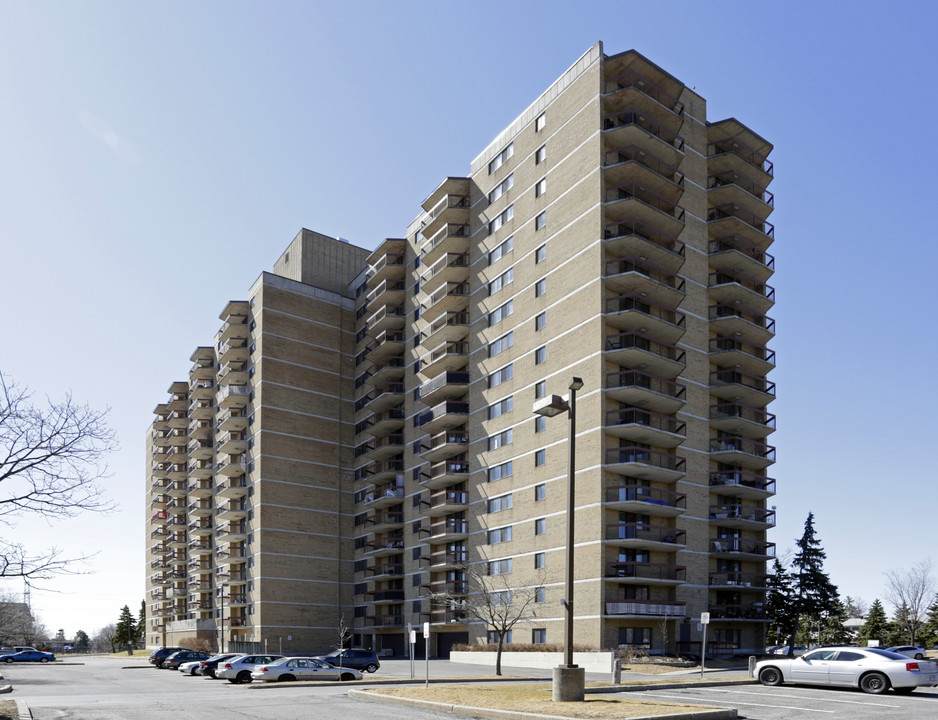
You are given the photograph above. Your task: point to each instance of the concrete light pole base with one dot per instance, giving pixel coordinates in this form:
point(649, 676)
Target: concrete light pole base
point(569, 684)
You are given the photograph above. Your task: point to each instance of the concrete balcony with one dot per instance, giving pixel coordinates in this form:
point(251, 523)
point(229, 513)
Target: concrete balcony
point(630, 237)
point(635, 201)
point(757, 581)
point(751, 517)
point(634, 276)
point(445, 386)
point(448, 327)
point(645, 427)
point(736, 253)
point(738, 320)
point(637, 350)
point(232, 419)
point(749, 389)
point(446, 415)
point(446, 502)
point(235, 350)
point(233, 396)
point(449, 298)
point(451, 267)
point(632, 126)
point(382, 522)
point(743, 355)
point(387, 318)
point(635, 314)
point(389, 266)
point(738, 221)
point(383, 496)
point(644, 390)
point(643, 463)
point(744, 453)
point(445, 474)
point(741, 548)
point(728, 287)
point(645, 573)
point(645, 500)
point(644, 535)
point(444, 560)
point(452, 237)
point(742, 420)
point(639, 609)
point(444, 445)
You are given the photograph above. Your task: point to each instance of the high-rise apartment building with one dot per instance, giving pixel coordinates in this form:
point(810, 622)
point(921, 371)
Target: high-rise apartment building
point(610, 233)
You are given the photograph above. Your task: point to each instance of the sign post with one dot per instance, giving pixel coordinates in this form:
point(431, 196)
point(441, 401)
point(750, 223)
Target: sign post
point(704, 620)
point(412, 635)
point(426, 649)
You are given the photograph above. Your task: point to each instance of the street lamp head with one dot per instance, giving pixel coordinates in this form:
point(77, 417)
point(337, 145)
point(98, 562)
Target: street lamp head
point(576, 384)
point(550, 405)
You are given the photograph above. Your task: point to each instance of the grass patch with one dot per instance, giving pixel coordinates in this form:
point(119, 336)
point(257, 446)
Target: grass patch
point(537, 699)
point(8, 710)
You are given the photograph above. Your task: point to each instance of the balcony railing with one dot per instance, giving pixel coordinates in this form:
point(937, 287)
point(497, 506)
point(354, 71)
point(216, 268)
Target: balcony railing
point(752, 513)
point(640, 119)
point(726, 411)
point(737, 277)
point(731, 177)
point(449, 407)
point(722, 377)
point(644, 531)
point(719, 312)
point(650, 571)
point(640, 192)
point(745, 546)
point(636, 416)
point(644, 494)
point(633, 153)
point(639, 341)
point(734, 243)
point(733, 344)
point(631, 227)
point(741, 478)
point(639, 379)
point(644, 456)
point(735, 211)
point(621, 266)
point(756, 580)
point(636, 607)
point(741, 149)
point(638, 303)
point(632, 79)
point(447, 378)
point(752, 611)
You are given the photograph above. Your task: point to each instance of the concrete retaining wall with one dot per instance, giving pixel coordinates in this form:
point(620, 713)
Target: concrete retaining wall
point(590, 661)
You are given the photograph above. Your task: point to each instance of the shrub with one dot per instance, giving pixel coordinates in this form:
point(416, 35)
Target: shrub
point(196, 643)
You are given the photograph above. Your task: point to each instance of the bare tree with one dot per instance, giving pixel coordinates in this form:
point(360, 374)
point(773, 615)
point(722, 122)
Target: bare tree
point(16, 621)
point(51, 463)
point(343, 635)
point(103, 640)
point(913, 591)
point(492, 601)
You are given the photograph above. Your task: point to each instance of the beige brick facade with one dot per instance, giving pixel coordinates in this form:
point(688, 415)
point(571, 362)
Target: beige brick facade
point(611, 233)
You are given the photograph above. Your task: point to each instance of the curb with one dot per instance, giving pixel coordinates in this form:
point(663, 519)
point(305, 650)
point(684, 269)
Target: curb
point(23, 710)
point(5, 689)
point(492, 714)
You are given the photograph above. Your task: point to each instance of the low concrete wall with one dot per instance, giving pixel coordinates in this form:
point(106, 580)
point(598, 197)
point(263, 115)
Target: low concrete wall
point(595, 662)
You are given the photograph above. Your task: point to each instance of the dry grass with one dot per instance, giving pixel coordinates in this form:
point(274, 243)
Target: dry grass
point(8, 710)
point(537, 699)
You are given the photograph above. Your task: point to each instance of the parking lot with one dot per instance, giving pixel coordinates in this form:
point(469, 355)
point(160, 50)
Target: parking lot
point(103, 688)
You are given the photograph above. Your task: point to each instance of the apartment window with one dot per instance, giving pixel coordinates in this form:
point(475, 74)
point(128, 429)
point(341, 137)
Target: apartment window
point(497, 504)
point(501, 407)
point(492, 637)
point(640, 637)
point(541, 187)
point(540, 424)
point(504, 216)
point(499, 471)
point(360, 588)
point(501, 158)
point(499, 376)
point(540, 287)
point(540, 355)
point(418, 579)
point(540, 561)
point(415, 526)
point(540, 389)
point(540, 492)
point(502, 187)
point(538, 635)
point(540, 321)
point(540, 122)
point(540, 526)
point(499, 535)
point(418, 606)
point(417, 445)
point(501, 312)
point(416, 499)
point(416, 553)
point(500, 439)
point(501, 281)
point(500, 345)
point(540, 594)
point(541, 155)
point(500, 567)
point(504, 248)
point(540, 457)
point(541, 220)
point(540, 254)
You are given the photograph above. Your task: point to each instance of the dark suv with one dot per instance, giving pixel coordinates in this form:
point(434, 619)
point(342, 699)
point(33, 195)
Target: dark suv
point(356, 659)
point(158, 656)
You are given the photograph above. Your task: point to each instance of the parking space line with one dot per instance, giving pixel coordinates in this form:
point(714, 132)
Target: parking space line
point(799, 697)
point(691, 699)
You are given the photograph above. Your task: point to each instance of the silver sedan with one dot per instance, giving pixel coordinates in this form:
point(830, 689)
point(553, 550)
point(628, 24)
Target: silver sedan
point(873, 670)
point(298, 668)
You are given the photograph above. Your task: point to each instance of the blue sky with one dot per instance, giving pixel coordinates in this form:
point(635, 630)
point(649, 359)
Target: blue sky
point(157, 157)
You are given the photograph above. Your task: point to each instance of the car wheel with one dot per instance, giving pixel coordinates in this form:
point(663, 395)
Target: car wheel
point(770, 676)
point(287, 678)
point(874, 683)
point(347, 676)
point(193, 672)
point(244, 677)
point(904, 690)
point(233, 680)
point(43, 660)
point(919, 656)
point(7, 660)
point(371, 667)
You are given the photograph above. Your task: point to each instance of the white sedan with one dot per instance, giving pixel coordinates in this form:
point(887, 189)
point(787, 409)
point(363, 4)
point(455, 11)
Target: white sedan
point(912, 651)
point(194, 667)
point(873, 670)
point(298, 668)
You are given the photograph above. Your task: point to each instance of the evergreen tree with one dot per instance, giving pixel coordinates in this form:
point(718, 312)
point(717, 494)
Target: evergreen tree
point(778, 601)
point(82, 640)
point(875, 627)
point(833, 631)
point(929, 632)
point(125, 632)
point(814, 593)
point(142, 623)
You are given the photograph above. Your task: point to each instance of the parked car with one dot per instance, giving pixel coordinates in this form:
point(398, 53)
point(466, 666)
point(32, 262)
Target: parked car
point(190, 667)
point(783, 650)
point(873, 670)
point(912, 651)
point(355, 658)
point(158, 656)
point(181, 656)
point(238, 669)
point(27, 656)
point(207, 668)
point(301, 668)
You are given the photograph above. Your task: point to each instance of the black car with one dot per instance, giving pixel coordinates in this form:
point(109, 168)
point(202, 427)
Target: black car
point(158, 656)
point(208, 667)
point(178, 658)
point(356, 659)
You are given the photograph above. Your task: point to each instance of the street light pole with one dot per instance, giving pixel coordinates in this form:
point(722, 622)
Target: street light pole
point(569, 680)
